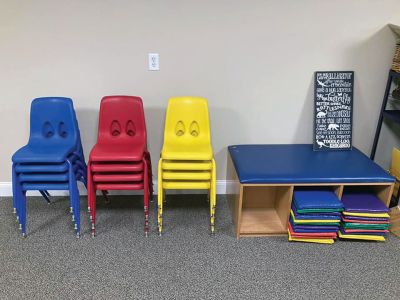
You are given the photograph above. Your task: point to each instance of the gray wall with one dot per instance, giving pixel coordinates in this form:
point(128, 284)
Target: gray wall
point(254, 61)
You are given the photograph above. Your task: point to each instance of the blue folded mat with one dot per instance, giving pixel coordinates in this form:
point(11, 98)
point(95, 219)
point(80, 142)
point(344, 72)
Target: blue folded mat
point(312, 228)
point(316, 216)
point(317, 200)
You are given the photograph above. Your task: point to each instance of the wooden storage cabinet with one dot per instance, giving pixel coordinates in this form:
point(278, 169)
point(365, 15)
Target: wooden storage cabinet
point(263, 209)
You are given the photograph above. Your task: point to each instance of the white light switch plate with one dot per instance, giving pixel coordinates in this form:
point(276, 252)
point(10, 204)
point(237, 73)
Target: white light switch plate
point(154, 62)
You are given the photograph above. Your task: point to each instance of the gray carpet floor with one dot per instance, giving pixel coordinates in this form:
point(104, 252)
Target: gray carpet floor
point(185, 263)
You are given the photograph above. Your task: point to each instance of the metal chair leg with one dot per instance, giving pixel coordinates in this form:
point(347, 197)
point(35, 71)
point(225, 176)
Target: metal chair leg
point(105, 195)
point(45, 196)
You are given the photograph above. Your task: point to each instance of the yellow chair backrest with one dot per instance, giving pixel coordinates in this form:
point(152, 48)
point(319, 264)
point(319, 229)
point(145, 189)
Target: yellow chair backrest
point(187, 121)
point(395, 168)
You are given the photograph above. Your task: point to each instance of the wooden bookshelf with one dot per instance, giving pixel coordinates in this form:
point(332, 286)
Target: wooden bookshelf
point(263, 209)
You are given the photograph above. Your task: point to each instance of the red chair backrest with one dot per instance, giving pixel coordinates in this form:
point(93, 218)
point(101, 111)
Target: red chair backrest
point(121, 120)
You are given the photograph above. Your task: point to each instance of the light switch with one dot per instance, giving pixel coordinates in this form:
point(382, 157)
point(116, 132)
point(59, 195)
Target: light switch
point(154, 62)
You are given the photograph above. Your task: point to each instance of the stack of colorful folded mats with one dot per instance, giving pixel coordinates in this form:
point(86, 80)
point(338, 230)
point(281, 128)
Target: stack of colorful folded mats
point(314, 217)
point(365, 217)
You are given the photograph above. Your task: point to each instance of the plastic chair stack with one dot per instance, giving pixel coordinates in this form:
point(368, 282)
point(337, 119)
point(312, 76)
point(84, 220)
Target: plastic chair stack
point(187, 157)
point(53, 158)
point(120, 159)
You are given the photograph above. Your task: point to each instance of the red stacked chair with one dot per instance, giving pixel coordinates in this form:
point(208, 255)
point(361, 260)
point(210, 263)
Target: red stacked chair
point(120, 159)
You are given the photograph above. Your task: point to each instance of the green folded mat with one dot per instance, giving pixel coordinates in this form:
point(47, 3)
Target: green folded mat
point(365, 226)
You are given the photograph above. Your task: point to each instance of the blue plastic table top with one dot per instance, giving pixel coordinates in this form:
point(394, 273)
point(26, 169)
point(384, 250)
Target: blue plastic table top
point(300, 164)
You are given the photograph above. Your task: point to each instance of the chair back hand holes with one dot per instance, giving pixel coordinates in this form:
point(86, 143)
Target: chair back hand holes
point(194, 129)
point(115, 129)
point(180, 129)
point(130, 128)
point(61, 130)
point(48, 130)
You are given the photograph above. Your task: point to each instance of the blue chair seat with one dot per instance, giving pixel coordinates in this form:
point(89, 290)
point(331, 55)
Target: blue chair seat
point(49, 168)
point(63, 177)
point(37, 154)
point(40, 186)
point(41, 168)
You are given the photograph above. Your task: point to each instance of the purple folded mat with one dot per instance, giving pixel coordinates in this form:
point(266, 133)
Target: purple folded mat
point(363, 203)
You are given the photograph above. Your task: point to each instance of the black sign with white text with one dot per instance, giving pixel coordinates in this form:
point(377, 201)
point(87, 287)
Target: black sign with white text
point(333, 110)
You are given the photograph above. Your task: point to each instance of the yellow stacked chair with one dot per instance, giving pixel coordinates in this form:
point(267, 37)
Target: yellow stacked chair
point(187, 161)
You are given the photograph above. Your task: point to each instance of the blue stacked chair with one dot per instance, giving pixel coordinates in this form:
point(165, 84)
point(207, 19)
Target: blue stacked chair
point(53, 158)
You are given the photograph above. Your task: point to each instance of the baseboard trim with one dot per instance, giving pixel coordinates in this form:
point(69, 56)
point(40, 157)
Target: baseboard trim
point(222, 187)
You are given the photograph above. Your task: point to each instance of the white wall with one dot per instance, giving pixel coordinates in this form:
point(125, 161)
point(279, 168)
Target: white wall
point(254, 61)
